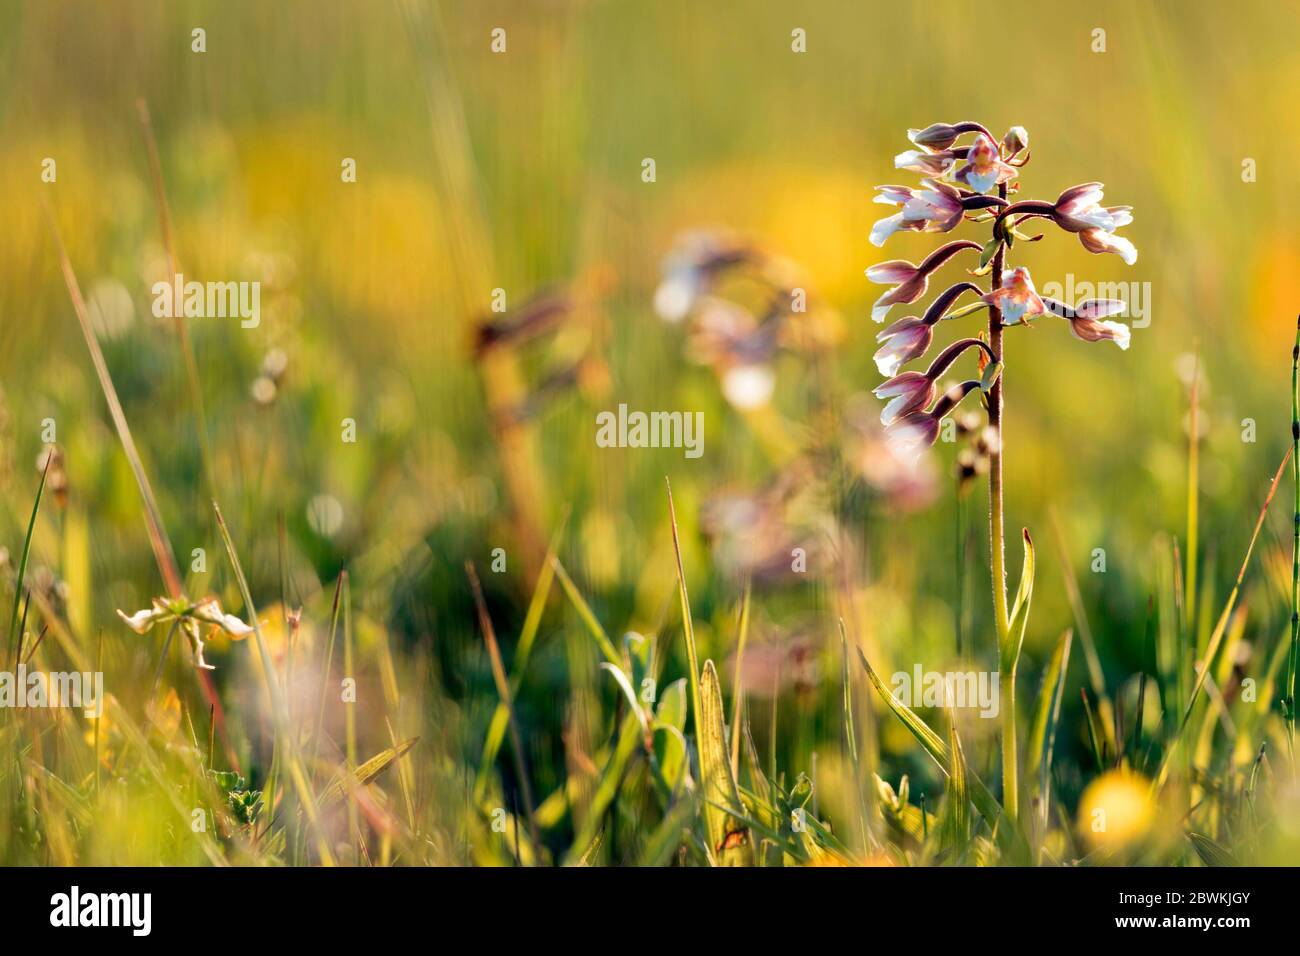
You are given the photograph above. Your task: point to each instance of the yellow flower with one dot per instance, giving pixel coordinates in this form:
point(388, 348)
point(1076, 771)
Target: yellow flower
point(1116, 811)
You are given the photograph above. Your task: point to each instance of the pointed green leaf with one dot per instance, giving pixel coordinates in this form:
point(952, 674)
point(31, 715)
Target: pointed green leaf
point(729, 840)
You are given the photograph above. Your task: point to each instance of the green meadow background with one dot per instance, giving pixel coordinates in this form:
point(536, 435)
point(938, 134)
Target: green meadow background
point(522, 171)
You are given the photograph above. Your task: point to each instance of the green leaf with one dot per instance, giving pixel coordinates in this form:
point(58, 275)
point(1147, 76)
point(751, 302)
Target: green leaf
point(227, 780)
point(662, 844)
point(584, 612)
point(955, 822)
point(1211, 853)
point(729, 840)
point(1019, 609)
point(984, 801)
point(626, 686)
point(992, 372)
point(987, 253)
point(1046, 714)
point(670, 753)
point(671, 709)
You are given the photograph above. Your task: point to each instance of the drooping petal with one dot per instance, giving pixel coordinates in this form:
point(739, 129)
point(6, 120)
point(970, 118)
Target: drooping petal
point(884, 228)
point(906, 393)
point(925, 163)
point(141, 621)
point(902, 348)
point(1090, 330)
point(895, 328)
point(1099, 241)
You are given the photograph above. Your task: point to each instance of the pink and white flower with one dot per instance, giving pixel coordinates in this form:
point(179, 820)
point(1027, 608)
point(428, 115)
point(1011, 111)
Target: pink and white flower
point(1017, 298)
point(1079, 210)
point(910, 281)
point(984, 167)
point(1084, 320)
point(937, 208)
point(906, 393)
point(905, 340)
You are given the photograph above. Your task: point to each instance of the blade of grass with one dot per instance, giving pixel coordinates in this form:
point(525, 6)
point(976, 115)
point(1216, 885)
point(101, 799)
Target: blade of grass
point(182, 327)
point(503, 690)
point(1292, 656)
point(738, 685)
point(984, 801)
point(1221, 626)
point(688, 625)
point(527, 635)
point(851, 737)
point(158, 539)
point(731, 844)
point(585, 614)
point(1096, 677)
point(13, 650)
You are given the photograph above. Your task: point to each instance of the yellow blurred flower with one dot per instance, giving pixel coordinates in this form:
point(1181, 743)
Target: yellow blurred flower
point(1116, 811)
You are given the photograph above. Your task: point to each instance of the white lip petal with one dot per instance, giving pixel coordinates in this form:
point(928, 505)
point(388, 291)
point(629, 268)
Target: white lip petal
point(888, 361)
point(233, 625)
point(982, 182)
point(892, 409)
point(878, 311)
point(884, 228)
point(1127, 251)
point(1121, 332)
point(1097, 217)
point(1013, 310)
point(140, 621)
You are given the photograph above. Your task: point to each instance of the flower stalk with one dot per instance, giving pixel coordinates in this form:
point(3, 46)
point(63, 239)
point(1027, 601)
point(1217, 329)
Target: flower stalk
point(951, 195)
point(998, 550)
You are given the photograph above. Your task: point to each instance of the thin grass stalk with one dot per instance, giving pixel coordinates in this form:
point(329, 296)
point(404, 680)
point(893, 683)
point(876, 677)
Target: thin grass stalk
point(15, 648)
point(182, 326)
point(688, 625)
point(738, 690)
point(1295, 550)
point(503, 690)
point(158, 539)
point(1221, 627)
